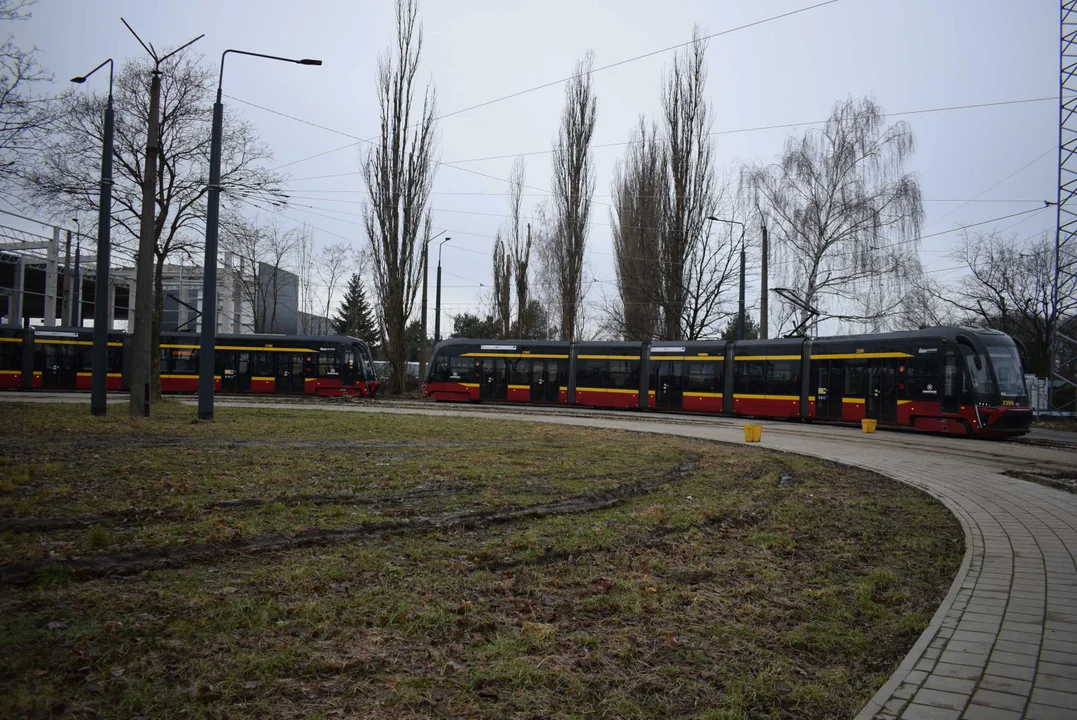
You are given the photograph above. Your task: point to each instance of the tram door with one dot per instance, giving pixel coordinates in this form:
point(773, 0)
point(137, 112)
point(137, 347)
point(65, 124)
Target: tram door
point(495, 379)
point(226, 368)
point(290, 373)
point(828, 389)
point(667, 381)
point(59, 369)
point(243, 371)
point(951, 383)
point(349, 368)
point(881, 401)
point(545, 381)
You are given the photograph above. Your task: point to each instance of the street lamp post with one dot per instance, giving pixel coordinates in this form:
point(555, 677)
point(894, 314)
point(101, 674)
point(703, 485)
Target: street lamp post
point(207, 342)
point(437, 309)
point(99, 381)
point(740, 315)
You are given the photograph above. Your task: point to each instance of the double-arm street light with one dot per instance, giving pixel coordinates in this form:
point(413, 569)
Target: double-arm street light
point(740, 316)
point(437, 309)
point(206, 354)
point(99, 381)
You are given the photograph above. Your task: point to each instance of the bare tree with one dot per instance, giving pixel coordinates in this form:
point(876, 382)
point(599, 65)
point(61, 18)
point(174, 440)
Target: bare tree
point(502, 299)
point(399, 174)
point(333, 266)
point(545, 290)
point(687, 124)
point(23, 115)
point(640, 196)
point(573, 189)
point(845, 216)
point(1010, 287)
point(712, 269)
point(304, 263)
point(66, 176)
point(264, 248)
point(521, 248)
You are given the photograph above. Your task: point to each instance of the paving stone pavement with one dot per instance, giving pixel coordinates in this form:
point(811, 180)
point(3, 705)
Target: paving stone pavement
point(1003, 643)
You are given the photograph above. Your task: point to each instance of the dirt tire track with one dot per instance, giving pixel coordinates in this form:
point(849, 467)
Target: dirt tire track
point(180, 555)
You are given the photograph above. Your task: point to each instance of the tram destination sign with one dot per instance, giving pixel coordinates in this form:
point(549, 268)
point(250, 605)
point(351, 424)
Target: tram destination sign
point(498, 347)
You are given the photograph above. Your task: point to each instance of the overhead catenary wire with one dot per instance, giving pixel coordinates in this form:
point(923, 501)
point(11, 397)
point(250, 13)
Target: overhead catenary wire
point(553, 83)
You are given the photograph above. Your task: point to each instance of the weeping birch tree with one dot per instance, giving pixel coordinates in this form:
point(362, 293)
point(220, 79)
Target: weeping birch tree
point(399, 174)
point(573, 190)
point(846, 217)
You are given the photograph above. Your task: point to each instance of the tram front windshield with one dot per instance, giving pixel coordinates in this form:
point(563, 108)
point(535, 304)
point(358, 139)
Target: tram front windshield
point(1007, 365)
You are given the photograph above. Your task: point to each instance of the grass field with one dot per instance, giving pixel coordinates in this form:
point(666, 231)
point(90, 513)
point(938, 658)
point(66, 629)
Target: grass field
point(325, 564)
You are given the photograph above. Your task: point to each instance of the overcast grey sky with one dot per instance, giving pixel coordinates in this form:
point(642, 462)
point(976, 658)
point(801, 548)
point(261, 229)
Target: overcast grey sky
point(907, 55)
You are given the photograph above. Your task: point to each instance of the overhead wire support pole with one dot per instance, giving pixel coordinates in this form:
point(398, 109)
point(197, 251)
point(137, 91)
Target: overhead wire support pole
point(142, 342)
point(1066, 207)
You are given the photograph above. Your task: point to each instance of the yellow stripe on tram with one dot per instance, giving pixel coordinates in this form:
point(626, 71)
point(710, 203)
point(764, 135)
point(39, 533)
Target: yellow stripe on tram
point(606, 390)
point(854, 356)
point(538, 356)
point(745, 396)
point(767, 357)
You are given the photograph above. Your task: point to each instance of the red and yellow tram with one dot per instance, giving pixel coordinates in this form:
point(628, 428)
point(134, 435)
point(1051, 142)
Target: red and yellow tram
point(960, 381)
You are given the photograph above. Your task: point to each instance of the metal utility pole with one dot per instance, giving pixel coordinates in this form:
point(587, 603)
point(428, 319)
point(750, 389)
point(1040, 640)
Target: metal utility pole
point(423, 359)
point(1066, 206)
point(142, 342)
point(207, 341)
point(437, 302)
point(65, 306)
point(740, 312)
point(76, 280)
point(763, 285)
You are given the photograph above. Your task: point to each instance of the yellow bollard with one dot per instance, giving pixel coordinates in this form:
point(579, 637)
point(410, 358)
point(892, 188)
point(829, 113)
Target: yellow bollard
point(868, 425)
point(753, 433)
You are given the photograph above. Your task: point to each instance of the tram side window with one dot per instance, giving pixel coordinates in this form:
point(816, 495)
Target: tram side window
point(184, 362)
point(84, 353)
point(750, 377)
point(519, 372)
point(327, 364)
point(166, 360)
point(624, 374)
point(462, 369)
point(349, 359)
point(265, 364)
point(854, 380)
point(702, 377)
point(115, 359)
point(922, 377)
point(10, 356)
point(783, 377)
point(591, 373)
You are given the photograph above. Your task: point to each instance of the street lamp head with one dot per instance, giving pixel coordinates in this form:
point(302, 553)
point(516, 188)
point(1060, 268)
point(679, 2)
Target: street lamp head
point(80, 79)
point(308, 61)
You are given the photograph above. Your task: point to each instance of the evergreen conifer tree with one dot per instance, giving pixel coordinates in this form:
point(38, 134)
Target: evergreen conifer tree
point(355, 317)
